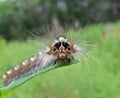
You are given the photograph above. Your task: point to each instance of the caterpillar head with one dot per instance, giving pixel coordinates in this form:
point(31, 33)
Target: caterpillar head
point(62, 48)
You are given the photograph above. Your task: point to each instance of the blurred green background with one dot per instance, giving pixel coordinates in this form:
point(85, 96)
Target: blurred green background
point(18, 17)
point(95, 21)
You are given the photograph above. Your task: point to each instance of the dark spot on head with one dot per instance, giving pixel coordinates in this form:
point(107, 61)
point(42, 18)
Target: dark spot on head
point(65, 44)
point(68, 48)
point(57, 45)
point(54, 49)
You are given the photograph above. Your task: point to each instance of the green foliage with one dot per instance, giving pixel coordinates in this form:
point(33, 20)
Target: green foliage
point(18, 17)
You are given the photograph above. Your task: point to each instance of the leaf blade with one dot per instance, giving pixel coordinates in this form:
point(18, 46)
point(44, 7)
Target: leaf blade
point(20, 81)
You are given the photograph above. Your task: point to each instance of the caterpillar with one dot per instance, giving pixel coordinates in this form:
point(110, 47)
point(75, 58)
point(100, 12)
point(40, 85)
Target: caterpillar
point(60, 50)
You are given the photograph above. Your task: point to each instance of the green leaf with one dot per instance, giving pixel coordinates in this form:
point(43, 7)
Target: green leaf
point(20, 81)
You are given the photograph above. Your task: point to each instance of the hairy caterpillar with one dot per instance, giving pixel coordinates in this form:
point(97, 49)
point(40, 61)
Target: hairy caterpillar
point(60, 50)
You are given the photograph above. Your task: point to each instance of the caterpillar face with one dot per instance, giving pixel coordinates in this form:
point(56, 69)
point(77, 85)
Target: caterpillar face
point(62, 49)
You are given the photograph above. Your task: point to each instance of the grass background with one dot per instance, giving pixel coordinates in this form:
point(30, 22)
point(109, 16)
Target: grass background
point(100, 78)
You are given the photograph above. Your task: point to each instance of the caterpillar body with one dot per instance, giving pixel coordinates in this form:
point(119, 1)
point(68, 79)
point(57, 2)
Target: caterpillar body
point(60, 50)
